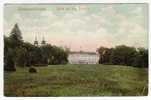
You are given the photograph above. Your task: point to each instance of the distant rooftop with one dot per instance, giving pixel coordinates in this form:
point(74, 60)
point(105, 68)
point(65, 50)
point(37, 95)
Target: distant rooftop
point(83, 52)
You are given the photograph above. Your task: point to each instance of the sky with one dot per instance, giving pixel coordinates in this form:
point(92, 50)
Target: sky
point(80, 27)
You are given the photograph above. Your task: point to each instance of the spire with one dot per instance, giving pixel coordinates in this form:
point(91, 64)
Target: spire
point(35, 38)
point(36, 42)
point(43, 42)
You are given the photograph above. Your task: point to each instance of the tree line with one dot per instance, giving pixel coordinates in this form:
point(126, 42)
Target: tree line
point(24, 54)
point(124, 55)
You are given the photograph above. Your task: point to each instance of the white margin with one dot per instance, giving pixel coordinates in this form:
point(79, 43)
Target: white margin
point(2, 97)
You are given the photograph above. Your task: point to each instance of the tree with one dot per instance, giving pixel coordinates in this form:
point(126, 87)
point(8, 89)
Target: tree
point(105, 55)
point(123, 55)
point(141, 59)
point(9, 64)
point(46, 53)
point(15, 36)
point(8, 56)
point(21, 57)
point(59, 55)
point(16, 41)
point(29, 49)
point(20, 53)
point(36, 56)
point(11, 44)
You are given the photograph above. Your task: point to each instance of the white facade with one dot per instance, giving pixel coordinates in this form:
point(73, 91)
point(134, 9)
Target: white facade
point(83, 58)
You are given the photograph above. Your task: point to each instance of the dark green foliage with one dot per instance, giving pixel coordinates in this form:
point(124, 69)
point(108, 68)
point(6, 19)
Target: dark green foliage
point(29, 48)
point(105, 54)
point(46, 53)
point(32, 70)
point(9, 64)
point(11, 44)
point(36, 56)
point(15, 36)
point(59, 56)
point(24, 54)
point(124, 55)
point(21, 57)
point(141, 59)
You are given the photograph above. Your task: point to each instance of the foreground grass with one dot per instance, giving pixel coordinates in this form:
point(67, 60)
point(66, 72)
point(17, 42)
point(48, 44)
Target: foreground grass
point(77, 80)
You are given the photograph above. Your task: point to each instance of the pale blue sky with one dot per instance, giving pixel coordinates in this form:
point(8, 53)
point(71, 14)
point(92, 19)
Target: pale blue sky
point(85, 26)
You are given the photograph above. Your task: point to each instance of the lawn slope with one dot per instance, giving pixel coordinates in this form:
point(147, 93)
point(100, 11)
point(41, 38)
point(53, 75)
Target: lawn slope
point(77, 80)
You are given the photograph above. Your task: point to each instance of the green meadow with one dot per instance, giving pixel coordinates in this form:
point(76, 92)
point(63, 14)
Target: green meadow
point(77, 80)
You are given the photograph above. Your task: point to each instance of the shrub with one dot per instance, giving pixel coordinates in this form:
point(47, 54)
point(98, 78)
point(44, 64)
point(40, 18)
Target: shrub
point(32, 70)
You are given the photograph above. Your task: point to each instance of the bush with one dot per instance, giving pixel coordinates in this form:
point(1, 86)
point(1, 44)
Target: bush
point(32, 70)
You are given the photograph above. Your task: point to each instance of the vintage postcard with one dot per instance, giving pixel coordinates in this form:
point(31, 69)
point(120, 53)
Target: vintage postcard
point(53, 50)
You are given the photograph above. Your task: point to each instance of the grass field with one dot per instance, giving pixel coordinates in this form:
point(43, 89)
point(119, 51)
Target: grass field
point(77, 80)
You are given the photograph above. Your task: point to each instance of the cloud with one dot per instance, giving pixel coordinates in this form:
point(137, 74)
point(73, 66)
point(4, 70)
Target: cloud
point(94, 26)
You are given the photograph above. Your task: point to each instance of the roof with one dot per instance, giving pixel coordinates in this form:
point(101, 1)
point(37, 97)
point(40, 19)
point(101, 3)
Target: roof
point(82, 52)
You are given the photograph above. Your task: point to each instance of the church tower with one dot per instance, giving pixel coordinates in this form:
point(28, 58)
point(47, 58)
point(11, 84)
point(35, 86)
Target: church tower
point(36, 42)
point(43, 42)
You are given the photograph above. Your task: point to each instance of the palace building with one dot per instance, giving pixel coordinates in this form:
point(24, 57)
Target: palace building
point(83, 58)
